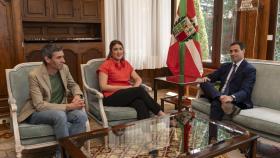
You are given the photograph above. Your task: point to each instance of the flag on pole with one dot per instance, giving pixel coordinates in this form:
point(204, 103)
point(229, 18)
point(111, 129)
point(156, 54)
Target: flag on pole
point(184, 54)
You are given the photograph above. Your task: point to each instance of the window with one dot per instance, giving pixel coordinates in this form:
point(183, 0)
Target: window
point(207, 9)
point(277, 37)
point(143, 27)
point(229, 28)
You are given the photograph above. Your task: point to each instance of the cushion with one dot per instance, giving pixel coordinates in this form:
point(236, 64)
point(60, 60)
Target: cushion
point(38, 140)
point(90, 75)
point(28, 131)
point(201, 105)
point(261, 119)
point(113, 113)
point(114, 123)
point(265, 93)
point(20, 85)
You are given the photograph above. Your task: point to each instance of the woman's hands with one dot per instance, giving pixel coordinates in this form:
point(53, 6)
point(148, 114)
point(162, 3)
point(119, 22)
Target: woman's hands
point(104, 86)
point(136, 78)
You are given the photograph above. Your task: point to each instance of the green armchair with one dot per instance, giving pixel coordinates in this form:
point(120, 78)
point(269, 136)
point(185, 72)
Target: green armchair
point(26, 136)
point(107, 116)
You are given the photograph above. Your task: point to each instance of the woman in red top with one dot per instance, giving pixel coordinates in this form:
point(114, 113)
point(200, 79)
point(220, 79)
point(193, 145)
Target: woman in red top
point(115, 75)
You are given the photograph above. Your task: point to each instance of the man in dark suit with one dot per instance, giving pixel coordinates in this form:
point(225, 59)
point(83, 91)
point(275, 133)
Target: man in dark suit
point(237, 81)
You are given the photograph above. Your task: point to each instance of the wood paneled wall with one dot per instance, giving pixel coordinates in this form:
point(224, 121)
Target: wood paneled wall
point(27, 25)
point(253, 29)
point(7, 51)
point(75, 54)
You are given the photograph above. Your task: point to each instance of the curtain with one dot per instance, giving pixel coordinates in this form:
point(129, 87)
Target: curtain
point(144, 28)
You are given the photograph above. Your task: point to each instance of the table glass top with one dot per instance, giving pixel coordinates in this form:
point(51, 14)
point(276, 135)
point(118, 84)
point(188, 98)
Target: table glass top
point(187, 135)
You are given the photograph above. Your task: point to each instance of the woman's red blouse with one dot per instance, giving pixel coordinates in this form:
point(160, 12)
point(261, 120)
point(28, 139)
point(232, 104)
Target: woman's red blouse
point(118, 73)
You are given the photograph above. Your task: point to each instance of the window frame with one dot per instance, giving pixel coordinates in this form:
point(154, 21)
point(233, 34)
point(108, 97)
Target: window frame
point(272, 29)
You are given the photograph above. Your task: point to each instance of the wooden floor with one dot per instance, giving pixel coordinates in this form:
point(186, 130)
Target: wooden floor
point(266, 148)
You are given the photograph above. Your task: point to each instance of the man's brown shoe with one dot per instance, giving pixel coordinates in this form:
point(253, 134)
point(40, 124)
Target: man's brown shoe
point(236, 111)
point(228, 108)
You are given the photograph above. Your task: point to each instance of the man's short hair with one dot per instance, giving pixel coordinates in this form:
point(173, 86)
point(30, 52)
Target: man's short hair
point(49, 49)
point(241, 44)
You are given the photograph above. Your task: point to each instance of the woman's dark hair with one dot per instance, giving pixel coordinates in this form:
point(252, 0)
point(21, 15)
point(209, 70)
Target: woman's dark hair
point(112, 44)
point(48, 50)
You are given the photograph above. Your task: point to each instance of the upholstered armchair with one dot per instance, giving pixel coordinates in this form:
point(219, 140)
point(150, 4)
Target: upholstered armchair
point(107, 116)
point(27, 136)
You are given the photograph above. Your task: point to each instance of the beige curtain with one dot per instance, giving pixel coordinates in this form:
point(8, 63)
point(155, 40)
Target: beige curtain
point(144, 28)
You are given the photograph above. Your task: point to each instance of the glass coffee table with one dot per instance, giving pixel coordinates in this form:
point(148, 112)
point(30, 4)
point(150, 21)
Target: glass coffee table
point(177, 135)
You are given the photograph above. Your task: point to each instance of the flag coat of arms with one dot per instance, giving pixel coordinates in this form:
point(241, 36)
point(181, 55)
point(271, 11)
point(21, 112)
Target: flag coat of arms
point(184, 54)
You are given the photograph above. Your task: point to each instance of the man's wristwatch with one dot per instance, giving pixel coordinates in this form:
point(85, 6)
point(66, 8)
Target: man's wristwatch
point(233, 98)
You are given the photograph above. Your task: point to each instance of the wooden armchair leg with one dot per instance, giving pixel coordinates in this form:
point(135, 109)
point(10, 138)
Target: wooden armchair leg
point(19, 153)
point(162, 104)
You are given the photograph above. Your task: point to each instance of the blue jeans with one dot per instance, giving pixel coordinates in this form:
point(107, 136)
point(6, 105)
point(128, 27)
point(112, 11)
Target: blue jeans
point(63, 123)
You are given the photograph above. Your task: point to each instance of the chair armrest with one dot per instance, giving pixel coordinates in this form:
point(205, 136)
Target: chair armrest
point(99, 96)
point(100, 104)
point(14, 122)
point(147, 88)
point(13, 106)
point(94, 91)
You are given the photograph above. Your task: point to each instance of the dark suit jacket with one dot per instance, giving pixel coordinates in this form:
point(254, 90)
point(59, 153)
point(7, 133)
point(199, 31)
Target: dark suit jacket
point(242, 83)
